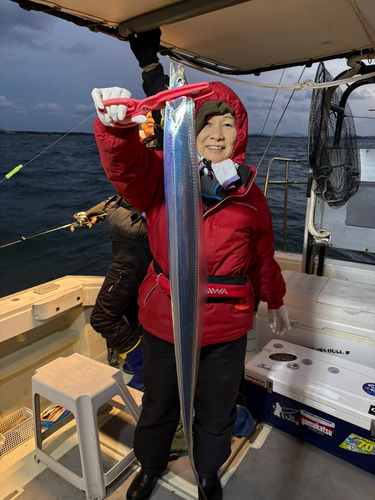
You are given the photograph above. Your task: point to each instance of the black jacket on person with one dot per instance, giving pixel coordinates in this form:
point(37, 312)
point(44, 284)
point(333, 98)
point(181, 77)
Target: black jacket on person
point(115, 314)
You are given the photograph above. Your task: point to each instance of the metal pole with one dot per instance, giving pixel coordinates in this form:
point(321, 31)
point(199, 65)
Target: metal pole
point(285, 204)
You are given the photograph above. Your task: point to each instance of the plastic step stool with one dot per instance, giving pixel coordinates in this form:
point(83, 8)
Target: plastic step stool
point(81, 385)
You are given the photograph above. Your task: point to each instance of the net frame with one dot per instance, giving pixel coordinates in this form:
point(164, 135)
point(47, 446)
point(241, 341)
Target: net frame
point(332, 144)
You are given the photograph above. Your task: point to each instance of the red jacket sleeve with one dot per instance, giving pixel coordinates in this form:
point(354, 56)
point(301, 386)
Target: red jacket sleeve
point(135, 171)
point(264, 271)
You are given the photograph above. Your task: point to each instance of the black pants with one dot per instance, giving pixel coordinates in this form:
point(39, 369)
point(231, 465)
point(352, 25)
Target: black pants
point(220, 372)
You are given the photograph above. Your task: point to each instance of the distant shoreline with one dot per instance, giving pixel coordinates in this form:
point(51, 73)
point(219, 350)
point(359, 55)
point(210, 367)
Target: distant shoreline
point(24, 132)
point(282, 136)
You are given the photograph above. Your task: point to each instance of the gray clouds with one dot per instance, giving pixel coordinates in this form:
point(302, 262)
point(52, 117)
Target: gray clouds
point(84, 108)
point(78, 48)
point(7, 106)
point(49, 66)
point(48, 108)
point(19, 27)
point(364, 93)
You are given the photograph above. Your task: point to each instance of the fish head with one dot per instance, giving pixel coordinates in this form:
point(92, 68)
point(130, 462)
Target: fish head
point(177, 76)
point(182, 106)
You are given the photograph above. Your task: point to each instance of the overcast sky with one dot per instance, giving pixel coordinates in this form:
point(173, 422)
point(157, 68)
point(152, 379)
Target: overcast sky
point(48, 68)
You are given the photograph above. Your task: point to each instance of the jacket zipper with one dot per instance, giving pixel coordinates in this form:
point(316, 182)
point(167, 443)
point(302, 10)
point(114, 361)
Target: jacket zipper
point(112, 287)
point(149, 293)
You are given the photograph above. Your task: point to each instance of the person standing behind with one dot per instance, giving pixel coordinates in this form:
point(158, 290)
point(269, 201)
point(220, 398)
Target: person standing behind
point(147, 135)
point(115, 313)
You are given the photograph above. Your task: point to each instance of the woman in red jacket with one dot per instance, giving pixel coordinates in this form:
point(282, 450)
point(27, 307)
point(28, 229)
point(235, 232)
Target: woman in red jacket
point(239, 245)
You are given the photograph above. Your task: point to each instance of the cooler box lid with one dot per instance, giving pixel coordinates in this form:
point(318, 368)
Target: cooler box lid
point(333, 385)
point(321, 303)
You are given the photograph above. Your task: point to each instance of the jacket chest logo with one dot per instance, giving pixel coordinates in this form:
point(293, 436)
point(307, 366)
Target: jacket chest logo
point(217, 291)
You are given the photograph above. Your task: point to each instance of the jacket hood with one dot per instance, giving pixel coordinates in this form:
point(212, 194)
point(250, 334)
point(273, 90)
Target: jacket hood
point(223, 93)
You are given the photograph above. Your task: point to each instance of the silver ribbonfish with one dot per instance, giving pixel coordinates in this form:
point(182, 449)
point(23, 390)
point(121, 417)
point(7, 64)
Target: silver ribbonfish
point(187, 257)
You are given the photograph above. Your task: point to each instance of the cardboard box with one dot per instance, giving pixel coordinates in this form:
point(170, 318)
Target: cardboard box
point(324, 400)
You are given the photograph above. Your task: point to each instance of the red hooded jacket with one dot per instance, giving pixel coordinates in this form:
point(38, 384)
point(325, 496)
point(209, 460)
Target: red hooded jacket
point(238, 230)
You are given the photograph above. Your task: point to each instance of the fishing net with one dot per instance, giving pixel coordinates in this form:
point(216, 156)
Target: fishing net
point(332, 145)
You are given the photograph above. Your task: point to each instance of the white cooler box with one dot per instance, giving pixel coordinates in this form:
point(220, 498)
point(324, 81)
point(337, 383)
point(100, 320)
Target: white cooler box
point(325, 400)
point(326, 314)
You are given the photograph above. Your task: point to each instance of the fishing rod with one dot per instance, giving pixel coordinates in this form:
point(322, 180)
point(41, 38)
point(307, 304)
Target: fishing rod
point(81, 220)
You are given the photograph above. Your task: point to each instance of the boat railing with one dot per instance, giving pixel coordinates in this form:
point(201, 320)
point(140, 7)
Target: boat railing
point(286, 182)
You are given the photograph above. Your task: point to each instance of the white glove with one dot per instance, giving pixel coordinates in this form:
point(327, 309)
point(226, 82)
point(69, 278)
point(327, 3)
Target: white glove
point(278, 320)
point(114, 114)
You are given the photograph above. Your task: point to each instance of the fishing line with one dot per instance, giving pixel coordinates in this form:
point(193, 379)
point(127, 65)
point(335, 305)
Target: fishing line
point(16, 169)
point(265, 122)
point(281, 117)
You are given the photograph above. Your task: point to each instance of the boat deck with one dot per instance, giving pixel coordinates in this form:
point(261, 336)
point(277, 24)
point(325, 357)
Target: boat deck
point(271, 465)
point(276, 466)
point(285, 468)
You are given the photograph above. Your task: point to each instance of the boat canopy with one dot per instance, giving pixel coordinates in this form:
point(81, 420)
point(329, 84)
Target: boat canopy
point(233, 36)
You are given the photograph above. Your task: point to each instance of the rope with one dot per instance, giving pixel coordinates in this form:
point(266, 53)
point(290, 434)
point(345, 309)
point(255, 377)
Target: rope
point(305, 85)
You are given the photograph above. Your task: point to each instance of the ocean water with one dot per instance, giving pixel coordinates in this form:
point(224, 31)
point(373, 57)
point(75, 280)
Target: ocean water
point(68, 178)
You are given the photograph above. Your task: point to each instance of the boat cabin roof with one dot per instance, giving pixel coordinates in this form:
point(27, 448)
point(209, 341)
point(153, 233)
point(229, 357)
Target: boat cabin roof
point(233, 36)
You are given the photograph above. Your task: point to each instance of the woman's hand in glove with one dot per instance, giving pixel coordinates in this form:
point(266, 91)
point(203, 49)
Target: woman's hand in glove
point(114, 114)
point(278, 319)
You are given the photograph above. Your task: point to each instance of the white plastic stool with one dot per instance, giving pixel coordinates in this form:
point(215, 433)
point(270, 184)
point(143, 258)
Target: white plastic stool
point(81, 385)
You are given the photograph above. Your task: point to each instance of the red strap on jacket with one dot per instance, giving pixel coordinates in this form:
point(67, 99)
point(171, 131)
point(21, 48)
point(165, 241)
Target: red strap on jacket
point(217, 286)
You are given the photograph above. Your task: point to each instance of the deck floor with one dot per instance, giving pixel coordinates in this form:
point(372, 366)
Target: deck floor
point(272, 465)
point(279, 467)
